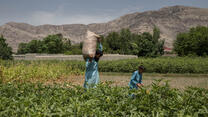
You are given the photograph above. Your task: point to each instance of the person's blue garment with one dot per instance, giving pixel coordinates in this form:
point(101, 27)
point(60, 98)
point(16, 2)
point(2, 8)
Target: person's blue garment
point(135, 79)
point(92, 74)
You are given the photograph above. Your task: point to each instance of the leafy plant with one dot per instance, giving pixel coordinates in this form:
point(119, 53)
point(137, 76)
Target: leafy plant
point(28, 99)
point(152, 65)
point(5, 50)
point(192, 43)
point(40, 70)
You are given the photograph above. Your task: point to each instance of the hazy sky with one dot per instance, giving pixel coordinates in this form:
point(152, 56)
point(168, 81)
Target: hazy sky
point(39, 12)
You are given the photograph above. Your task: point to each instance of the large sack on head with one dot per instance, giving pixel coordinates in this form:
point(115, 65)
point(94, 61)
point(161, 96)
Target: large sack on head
point(90, 44)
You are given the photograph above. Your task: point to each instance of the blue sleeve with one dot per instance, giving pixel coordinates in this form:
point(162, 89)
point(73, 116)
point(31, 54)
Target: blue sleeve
point(87, 62)
point(140, 79)
point(100, 47)
point(133, 78)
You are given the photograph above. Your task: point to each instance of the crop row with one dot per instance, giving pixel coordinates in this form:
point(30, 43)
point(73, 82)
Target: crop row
point(152, 65)
point(23, 71)
point(27, 70)
point(158, 65)
point(32, 100)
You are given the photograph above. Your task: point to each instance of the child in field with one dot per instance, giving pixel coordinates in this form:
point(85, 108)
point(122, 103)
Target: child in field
point(92, 74)
point(136, 78)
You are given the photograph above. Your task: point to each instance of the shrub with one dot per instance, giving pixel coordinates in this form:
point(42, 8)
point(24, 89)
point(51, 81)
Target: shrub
point(5, 50)
point(194, 42)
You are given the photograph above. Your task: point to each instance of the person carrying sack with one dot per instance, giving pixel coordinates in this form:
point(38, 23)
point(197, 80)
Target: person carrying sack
point(91, 73)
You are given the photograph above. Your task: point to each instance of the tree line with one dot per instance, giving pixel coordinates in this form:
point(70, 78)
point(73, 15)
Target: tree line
point(126, 42)
point(194, 43)
point(52, 44)
point(123, 42)
point(5, 50)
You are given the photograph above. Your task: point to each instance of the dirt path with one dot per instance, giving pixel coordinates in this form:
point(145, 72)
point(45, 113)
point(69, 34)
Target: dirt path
point(175, 80)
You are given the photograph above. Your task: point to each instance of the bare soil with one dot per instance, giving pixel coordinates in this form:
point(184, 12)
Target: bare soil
point(175, 80)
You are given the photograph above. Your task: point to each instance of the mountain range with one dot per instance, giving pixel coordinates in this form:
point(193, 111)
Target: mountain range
point(170, 20)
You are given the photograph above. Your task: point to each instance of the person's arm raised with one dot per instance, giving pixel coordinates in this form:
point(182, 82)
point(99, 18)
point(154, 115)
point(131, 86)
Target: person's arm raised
point(100, 44)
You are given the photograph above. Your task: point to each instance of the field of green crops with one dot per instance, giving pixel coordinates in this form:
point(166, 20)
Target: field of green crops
point(152, 65)
point(23, 71)
point(158, 65)
point(23, 91)
point(34, 100)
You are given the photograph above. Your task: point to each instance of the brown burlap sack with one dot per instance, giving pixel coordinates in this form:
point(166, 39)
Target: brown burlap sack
point(89, 45)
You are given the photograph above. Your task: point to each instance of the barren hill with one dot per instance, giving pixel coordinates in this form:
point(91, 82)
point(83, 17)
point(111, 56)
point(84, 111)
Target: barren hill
point(170, 20)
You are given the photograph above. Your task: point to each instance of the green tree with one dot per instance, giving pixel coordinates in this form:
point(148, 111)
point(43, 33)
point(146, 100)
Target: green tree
point(113, 41)
point(181, 45)
point(22, 48)
point(34, 46)
point(194, 42)
point(149, 47)
point(5, 50)
point(145, 45)
point(74, 50)
point(53, 44)
point(158, 48)
point(105, 44)
point(156, 34)
point(125, 41)
point(67, 45)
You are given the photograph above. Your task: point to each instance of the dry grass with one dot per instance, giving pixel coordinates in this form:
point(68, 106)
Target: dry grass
point(179, 82)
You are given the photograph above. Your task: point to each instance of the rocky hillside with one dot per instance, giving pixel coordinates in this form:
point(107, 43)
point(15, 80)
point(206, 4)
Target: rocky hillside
point(170, 20)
